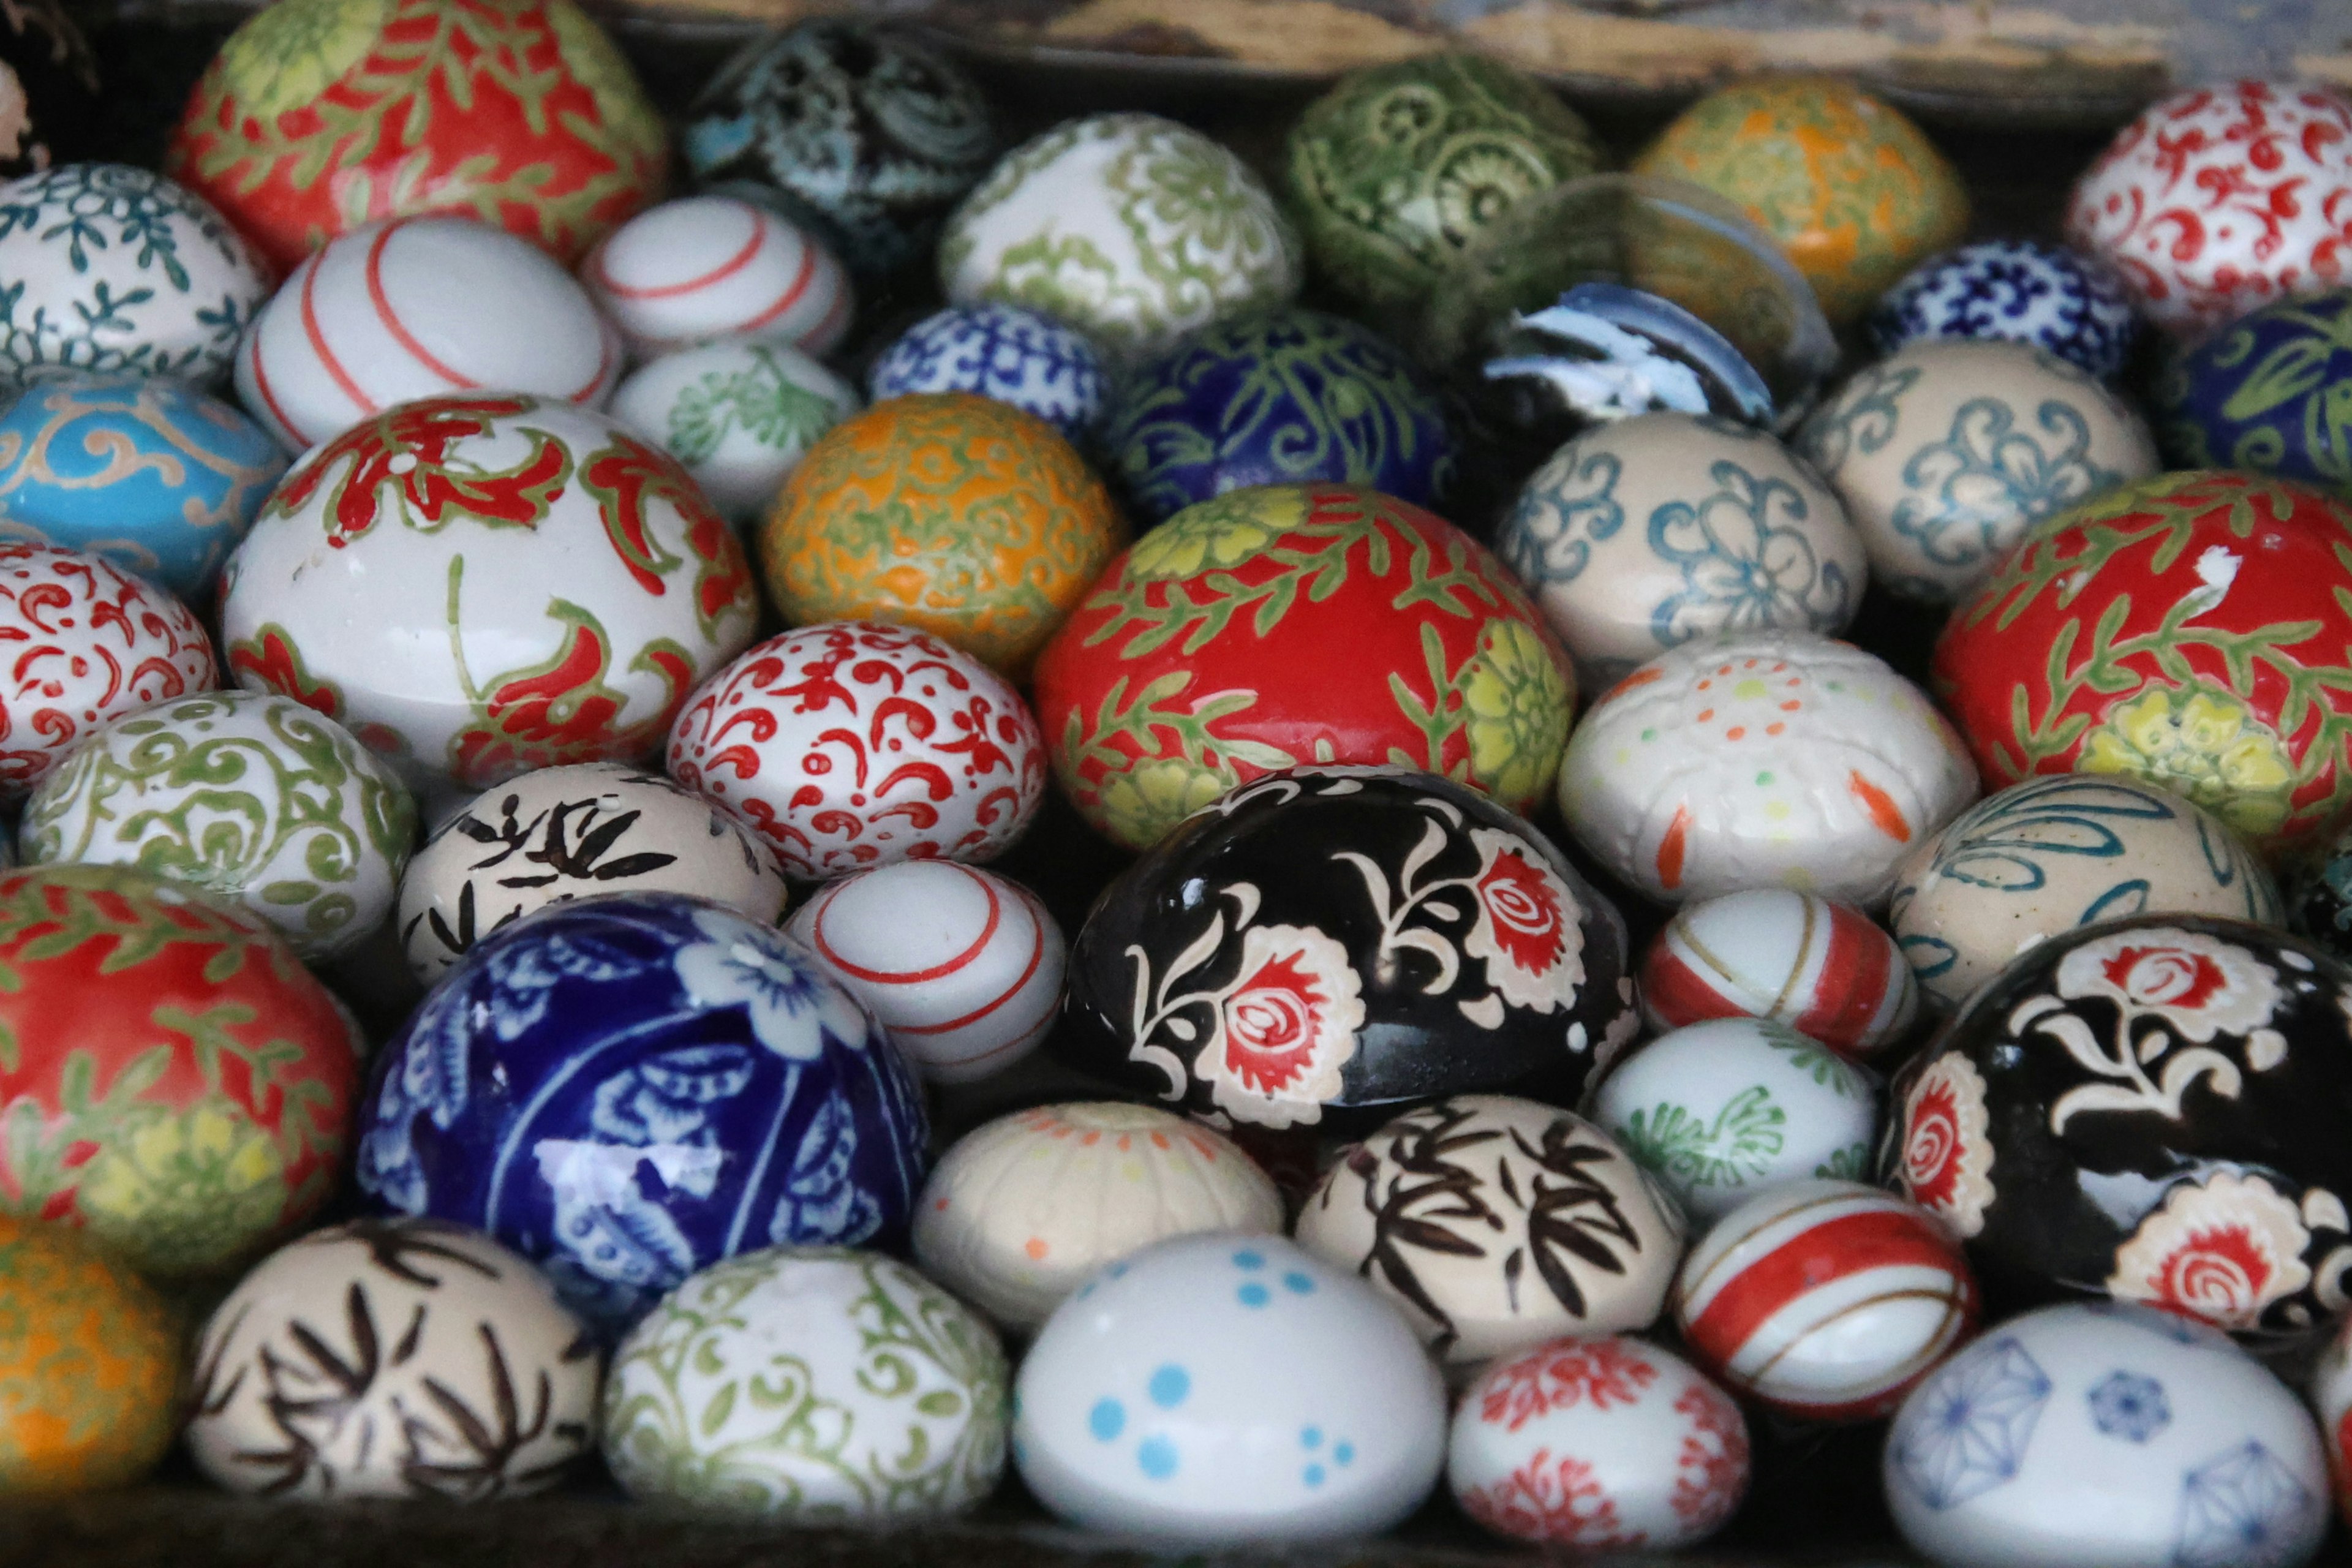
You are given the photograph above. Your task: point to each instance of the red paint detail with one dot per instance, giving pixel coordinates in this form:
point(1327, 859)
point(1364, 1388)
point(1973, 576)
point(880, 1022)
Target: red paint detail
point(1670, 847)
point(719, 274)
point(940, 970)
point(390, 319)
point(1834, 1249)
point(1851, 986)
point(1885, 815)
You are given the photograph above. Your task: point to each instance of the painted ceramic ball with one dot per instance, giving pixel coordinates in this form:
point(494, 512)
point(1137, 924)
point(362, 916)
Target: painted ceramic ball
point(1003, 351)
point(250, 796)
point(50, 95)
point(116, 268)
point(738, 415)
point(1948, 453)
point(2219, 199)
point(1024, 1210)
point(2190, 630)
point(851, 744)
point(1397, 169)
point(2267, 394)
point(1760, 760)
point(2013, 290)
point(90, 1357)
point(318, 116)
point(1281, 398)
point(151, 474)
point(189, 1084)
point(1129, 227)
point(705, 268)
point(1668, 528)
point(455, 1373)
point(87, 643)
point(559, 834)
point(2319, 898)
point(2041, 857)
point(1849, 186)
point(661, 1082)
point(1329, 945)
point(1603, 351)
point(957, 514)
point(2331, 1398)
point(1823, 969)
point(1293, 624)
point(865, 133)
point(2146, 1110)
point(481, 585)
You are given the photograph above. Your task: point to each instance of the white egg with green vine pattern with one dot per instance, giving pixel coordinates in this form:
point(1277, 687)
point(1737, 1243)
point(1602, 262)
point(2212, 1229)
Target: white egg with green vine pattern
point(737, 415)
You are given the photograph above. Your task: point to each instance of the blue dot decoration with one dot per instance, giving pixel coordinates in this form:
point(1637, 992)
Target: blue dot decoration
point(1344, 1454)
point(1255, 1294)
point(1106, 1420)
point(1249, 1259)
point(1311, 1439)
point(1299, 1284)
point(1314, 1475)
point(1157, 1457)
point(1169, 1387)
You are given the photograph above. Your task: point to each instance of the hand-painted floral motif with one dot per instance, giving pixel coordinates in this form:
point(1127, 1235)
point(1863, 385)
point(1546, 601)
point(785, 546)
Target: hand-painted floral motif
point(2222, 1250)
point(1599, 1372)
point(2264, 396)
point(1284, 1029)
point(1003, 351)
point(1555, 1501)
point(90, 1365)
point(2204, 743)
point(1745, 564)
point(1712, 1472)
point(1947, 1159)
point(2016, 290)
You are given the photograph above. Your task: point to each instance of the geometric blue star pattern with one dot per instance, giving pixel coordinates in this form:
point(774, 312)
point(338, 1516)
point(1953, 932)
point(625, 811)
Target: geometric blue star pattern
point(2243, 1509)
point(1967, 1431)
point(2123, 1404)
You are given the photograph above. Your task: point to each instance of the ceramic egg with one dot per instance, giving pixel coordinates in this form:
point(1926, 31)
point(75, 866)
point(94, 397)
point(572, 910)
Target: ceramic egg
point(1003, 351)
point(1949, 452)
point(706, 269)
point(2096, 1436)
point(962, 968)
point(809, 1385)
point(91, 1357)
point(1021, 1211)
point(318, 116)
point(861, 131)
point(1854, 192)
point(2331, 1398)
point(2013, 290)
point(1758, 759)
point(1132, 228)
point(253, 798)
point(958, 514)
point(2266, 395)
point(2221, 198)
point(737, 415)
point(1222, 1390)
point(481, 585)
point(2044, 857)
point(1495, 1224)
point(50, 94)
point(1820, 968)
point(625, 1090)
point(185, 1085)
point(1667, 528)
point(853, 745)
point(1603, 351)
point(2319, 896)
point(87, 643)
point(2191, 630)
point(401, 1358)
point(1326, 945)
point(2146, 1110)
point(1397, 169)
point(1299, 625)
point(1597, 1443)
point(115, 268)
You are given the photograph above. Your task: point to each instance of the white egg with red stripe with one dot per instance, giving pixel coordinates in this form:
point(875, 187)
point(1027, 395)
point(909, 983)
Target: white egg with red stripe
point(963, 968)
point(420, 307)
point(1825, 1301)
point(1821, 968)
point(709, 267)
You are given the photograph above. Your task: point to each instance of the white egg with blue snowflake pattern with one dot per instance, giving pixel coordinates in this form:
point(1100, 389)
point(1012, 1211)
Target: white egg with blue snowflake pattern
point(2098, 1434)
point(738, 414)
point(2023, 290)
point(1222, 1389)
point(1002, 351)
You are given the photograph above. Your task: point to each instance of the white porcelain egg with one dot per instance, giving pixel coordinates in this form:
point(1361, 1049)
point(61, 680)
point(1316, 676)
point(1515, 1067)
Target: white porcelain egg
point(705, 268)
point(737, 415)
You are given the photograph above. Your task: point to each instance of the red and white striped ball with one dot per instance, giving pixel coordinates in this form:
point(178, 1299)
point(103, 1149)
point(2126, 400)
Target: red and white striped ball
point(1825, 1301)
point(1821, 968)
point(963, 968)
point(708, 267)
point(419, 307)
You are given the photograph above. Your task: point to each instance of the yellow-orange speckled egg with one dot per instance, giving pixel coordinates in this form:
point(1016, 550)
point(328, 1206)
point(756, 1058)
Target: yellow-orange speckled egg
point(956, 513)
point(90, 1364)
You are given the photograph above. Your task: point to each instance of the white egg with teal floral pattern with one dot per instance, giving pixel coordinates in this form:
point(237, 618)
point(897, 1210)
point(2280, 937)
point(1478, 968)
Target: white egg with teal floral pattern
point(738, 414)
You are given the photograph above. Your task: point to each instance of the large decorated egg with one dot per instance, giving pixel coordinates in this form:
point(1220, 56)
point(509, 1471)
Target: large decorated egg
point(1295, 625)
point(481, 585)
point(1333, 944)
point(91, 1359)
point(1003, 351)
point(2013, 290)
point(50, 95)
point(2191, 630)
point(705, 268)
point(318, 116)
point(2264, 395)
point(1820, 968)
point(738, 415)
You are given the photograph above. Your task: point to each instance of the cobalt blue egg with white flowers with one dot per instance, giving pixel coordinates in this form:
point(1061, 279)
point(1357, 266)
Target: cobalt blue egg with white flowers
point(2023, 290)
point(2271, 392)
point(1002, 352)
point(628, 1088)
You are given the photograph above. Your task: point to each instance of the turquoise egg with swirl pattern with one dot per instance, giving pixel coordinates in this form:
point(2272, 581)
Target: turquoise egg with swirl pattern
point(2272, 394)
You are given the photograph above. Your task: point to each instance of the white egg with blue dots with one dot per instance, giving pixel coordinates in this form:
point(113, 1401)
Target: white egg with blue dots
point(1220, 1389)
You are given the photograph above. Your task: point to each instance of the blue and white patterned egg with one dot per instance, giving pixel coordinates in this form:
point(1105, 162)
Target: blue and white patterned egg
point(2021, 290)
point(1002, 351)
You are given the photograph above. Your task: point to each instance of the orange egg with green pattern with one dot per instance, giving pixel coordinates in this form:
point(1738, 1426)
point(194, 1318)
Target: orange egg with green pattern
point(90, 1364)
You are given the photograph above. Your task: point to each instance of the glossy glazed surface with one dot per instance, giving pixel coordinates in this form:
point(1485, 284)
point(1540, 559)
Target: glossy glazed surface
point(738, 415)
point(1003, 351)
point(2258, 395)
point(704, 268)
point(90, 1365)
point(2014, 290)
point(1820, 968)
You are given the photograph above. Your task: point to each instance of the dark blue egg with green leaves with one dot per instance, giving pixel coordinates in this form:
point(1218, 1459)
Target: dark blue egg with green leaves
point(2271, 392)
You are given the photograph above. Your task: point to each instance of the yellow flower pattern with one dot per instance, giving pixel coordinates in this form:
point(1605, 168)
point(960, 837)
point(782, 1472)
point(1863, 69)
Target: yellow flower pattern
point(2203, 743)
point(178, 1190)
point(1517, 708)
point(1140, 806)
point(1216, 535)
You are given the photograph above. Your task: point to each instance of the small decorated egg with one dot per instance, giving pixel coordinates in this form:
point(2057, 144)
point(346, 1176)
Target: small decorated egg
point(1763, 759)
point(50, 95)
point(1667, 528)
point(1003, 351)
point(1023, 1211)
point(2319, 899)
point(737, 415)
point(2267, 394)
point(809, 1385)
point(91, 1358)
point(851, 744)
point(1224, 1390)
point(1295, 625)
point(704, 268)
point(1605, 351)
point(1820, 968)
point(2046, 856)
point(115, 268)
point(1132, 228)
point(1495, 1224)
point(2096, 1436)
point(1948, 453)
point(2015, 290)
point(1597, 1443)
point(455, 1373)
point(2331, 1397)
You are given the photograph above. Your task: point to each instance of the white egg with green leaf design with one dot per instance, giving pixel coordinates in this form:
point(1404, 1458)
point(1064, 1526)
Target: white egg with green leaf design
point(737, 415)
